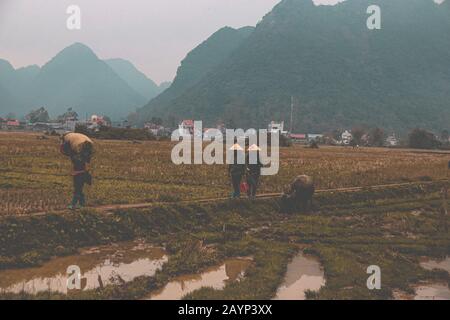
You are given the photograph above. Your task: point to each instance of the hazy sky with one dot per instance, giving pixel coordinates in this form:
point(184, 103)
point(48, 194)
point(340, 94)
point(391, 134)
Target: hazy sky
point(153, 34)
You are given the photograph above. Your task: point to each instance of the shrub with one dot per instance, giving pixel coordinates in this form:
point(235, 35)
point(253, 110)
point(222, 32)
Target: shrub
point(422, 139)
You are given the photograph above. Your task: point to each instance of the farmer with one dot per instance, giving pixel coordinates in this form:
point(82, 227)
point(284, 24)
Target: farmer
point(254, 166)
point(79, 148)
point(236, 170)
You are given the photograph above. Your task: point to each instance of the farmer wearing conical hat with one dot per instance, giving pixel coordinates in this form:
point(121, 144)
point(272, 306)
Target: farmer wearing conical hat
point(236, 170)
point(254, 166)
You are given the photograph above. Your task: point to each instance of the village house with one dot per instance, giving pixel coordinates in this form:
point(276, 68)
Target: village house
point(155, 129)
point(392, 141)
point(186, 128)
point(315, 137)
point(13, 124)
point(99, 121)
point(211, 133)
point(69, 123)
point(2, 123)
point(40, 126)
point(95, 122)
point(276, 127)
point(300, 138)
point(346, 138)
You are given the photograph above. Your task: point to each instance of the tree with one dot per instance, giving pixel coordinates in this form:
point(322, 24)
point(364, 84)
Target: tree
point(357, 134)
point(39, 115)
point(107, 120)
point(376, 137)
point(422, 139)
point(81, 128)
point(445, 136)
point(336, 134)
point(133, 119)
point(10, 116)
point(69, 114)
point(157, 121)
point(171, 121)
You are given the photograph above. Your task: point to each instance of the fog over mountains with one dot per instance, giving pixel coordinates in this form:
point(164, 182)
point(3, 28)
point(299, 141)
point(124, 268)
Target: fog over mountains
point(75, 78)
point(340, 72)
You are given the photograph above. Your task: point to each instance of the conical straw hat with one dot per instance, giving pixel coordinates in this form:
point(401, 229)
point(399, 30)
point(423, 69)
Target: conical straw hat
point(254, 147)
point(236, 147)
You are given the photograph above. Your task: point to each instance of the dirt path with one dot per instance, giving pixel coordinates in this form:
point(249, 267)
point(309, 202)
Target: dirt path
point(106, 209)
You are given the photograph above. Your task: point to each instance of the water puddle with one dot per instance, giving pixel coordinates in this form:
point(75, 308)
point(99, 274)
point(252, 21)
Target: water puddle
point(216, 278)
point(303, 273)
point(434, 291)
point(102, 264)
point(430, 264)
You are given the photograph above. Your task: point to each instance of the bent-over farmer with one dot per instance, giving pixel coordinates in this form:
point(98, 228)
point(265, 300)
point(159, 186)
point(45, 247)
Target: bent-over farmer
point(80, 149)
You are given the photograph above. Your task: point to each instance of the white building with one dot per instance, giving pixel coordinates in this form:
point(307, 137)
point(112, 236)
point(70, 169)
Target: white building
point(346, 138)
point(314, 136)
point(392, 141)
point(212, 133)
point(186, 128)
point(275, 127)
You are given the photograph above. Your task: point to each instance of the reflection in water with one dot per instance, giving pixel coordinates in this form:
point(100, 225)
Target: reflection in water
point(303, 273)
point(216, 278)
point(102, 264)
point(432, 292)
point(436, 264)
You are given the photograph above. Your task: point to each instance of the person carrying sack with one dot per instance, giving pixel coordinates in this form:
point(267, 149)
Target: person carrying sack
point(80, 149)
point(236, 171)
point(81, 176)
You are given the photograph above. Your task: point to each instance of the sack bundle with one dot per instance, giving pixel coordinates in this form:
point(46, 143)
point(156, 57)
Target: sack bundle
point(78, 146)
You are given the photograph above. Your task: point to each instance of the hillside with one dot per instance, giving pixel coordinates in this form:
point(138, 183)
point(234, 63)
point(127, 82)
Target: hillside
point(340, 72)
point(135, 78)
point(75, 78)
point(197, 64)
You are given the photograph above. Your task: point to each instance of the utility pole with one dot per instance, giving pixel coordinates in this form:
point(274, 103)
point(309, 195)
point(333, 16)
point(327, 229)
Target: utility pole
point(292, 114)
point(444, 208)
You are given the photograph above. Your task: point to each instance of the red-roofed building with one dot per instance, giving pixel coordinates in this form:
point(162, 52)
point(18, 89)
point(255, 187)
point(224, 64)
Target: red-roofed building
point(299, 137)
point(155, 129)
point(13, 123)
point(186, 127)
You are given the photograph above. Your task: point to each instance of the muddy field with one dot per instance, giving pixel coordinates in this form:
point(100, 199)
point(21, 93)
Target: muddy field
point(236, 250)
point(227, 249)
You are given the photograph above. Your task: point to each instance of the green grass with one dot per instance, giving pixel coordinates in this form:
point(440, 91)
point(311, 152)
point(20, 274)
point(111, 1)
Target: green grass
point(389, 228)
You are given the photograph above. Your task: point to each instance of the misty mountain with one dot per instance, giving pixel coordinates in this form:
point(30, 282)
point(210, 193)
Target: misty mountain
point(7, 102)
point(75, 78)
point(135, 78)
point(340, 72)
point(164, 85)
point(197, 64)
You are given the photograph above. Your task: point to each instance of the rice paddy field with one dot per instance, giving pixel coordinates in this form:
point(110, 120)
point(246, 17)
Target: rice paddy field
point(224, 249)
point(35, 177)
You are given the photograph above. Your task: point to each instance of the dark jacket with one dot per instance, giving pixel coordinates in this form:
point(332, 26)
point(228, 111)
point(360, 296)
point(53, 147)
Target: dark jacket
point(255, 168)
point(236, 169)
